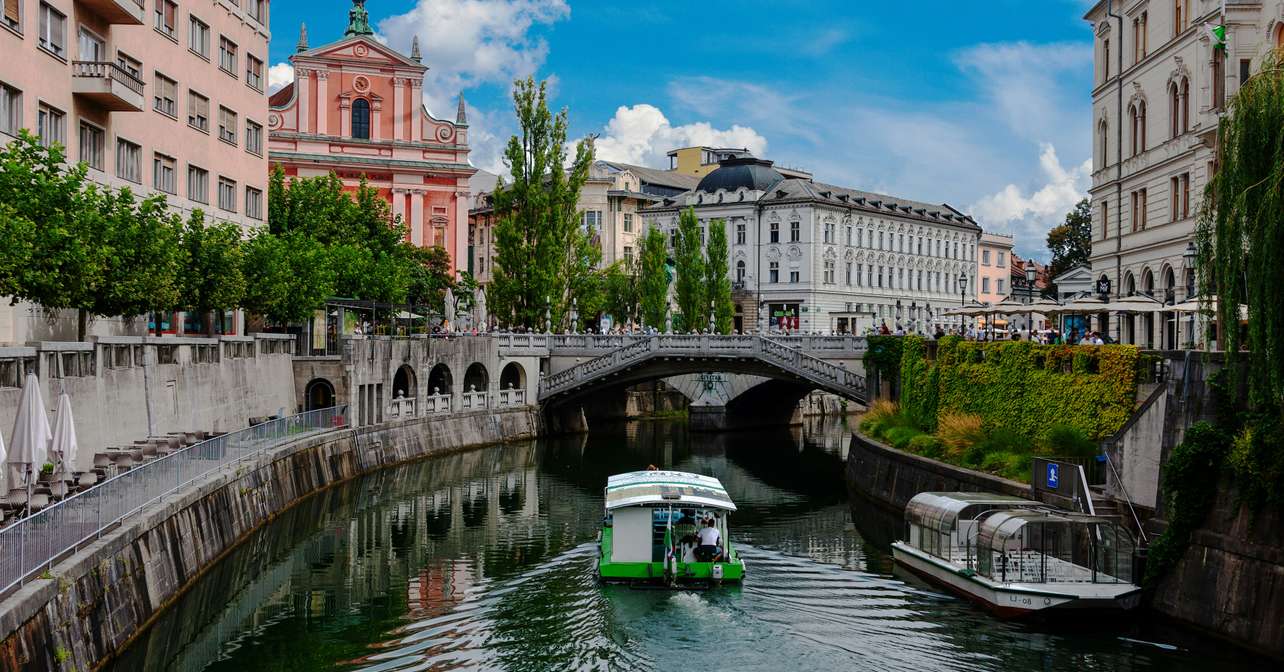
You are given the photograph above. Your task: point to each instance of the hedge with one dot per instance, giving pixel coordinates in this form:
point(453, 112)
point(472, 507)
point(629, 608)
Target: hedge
point(1022, 386)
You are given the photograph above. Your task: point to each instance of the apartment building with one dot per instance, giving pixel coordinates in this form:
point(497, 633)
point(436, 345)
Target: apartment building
point(162, 96)
point(992, 268)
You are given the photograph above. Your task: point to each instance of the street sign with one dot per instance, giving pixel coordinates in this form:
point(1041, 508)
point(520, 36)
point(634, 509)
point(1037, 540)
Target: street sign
point(1054, 475)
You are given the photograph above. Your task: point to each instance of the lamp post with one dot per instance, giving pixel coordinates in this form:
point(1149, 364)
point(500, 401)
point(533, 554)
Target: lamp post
point(1029, 290)
point(1190, 257)
point(913, 315)
point(962, 295)
point(899, 312)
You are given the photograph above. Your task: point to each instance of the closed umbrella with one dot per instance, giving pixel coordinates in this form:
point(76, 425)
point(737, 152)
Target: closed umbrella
point(29, 443)
point(64, 445)
point(448, 308)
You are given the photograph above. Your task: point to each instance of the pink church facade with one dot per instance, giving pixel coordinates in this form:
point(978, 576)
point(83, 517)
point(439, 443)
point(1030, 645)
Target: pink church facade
point(355, 109)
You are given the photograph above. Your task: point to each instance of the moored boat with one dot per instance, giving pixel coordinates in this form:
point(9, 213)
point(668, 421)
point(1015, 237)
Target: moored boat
point(1017, 557)
point(658, 525)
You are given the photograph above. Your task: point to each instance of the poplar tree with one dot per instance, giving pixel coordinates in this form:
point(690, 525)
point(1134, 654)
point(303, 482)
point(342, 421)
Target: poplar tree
point(716, 282)
point(543, 254)
point(653, 278)
point(692, 295)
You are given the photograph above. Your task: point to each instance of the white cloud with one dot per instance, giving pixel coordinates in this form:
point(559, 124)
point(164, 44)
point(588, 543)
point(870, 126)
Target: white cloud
point(279, 75)
point(1030, 215)
point(641, 134)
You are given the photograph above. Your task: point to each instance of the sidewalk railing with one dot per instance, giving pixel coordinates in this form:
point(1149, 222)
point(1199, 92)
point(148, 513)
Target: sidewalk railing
point(34, 543)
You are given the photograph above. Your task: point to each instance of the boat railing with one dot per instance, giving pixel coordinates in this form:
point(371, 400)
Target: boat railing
point(1127, 498)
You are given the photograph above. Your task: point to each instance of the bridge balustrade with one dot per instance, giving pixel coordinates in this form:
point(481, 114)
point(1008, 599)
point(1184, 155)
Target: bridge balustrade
point(511, 397)
point(401, 408)
point(471, 401)
point(436, 403)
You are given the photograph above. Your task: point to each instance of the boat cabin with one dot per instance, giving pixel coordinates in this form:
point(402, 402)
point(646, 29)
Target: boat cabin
point(945, 524)
point(1047, 546)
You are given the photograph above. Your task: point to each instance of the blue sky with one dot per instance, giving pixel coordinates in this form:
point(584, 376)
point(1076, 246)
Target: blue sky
point(982, 104)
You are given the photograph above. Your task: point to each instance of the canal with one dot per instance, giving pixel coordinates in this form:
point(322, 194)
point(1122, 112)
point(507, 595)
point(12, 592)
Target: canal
point(485, 560)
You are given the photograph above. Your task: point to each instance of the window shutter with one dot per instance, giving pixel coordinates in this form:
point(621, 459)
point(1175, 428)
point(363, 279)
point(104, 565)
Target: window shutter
point(11, 10)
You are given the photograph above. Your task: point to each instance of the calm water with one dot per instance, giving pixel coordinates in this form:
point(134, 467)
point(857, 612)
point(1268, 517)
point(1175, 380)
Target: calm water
point(484, 560)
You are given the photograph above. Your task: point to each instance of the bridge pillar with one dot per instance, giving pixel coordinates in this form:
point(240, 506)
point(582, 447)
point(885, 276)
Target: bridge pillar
point(568, 419)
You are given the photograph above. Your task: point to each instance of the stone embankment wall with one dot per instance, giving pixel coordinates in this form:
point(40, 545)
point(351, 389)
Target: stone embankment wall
point(95, 602)
point(1230, 581)
point(125, 388)
point(890, 477)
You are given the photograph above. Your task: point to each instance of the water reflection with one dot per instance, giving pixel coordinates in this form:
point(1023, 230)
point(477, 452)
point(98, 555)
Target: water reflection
point(485, 560)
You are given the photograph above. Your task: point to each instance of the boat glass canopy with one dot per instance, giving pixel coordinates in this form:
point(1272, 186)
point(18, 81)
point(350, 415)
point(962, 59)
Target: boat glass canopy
point(944, 523)
point(677, 488)
point(1047, 546)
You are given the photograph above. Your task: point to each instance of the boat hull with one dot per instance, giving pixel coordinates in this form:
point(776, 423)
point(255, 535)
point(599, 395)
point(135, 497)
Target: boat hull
point(1013, 600)
point(732, 571)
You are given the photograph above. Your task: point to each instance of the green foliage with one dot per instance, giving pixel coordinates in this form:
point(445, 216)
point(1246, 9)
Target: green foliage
point(884, 356)
point(716, 282)
point(920, 384)
point(927, 446)
point(212, 277)
point(1190, 487)
point(543, 254)
point(1071, 242)
point(428, 276)
point(653, 287)
point(690, 291)
point(622, 289)
point(900, 437)
point(287, 276)
point(1062, 440)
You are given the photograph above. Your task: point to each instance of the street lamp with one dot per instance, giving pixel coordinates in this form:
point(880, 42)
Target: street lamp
point(913, 315)
point(1029, 290)
point(962, 295)
point(1190, 257)
point(899, 312)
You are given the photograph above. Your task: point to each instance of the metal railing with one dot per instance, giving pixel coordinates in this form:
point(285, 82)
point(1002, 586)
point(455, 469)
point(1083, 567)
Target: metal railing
point(107, 70)
point(34, 543)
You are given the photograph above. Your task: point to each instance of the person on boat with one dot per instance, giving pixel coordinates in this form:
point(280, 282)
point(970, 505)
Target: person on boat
point(685, 536)
point(709, 539)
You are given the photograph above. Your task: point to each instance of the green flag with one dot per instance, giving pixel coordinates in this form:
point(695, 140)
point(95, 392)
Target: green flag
point(1217, 34)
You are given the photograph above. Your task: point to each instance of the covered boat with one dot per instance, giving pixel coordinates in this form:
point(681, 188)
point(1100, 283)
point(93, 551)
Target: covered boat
point(1018, 557)
point(655, 529)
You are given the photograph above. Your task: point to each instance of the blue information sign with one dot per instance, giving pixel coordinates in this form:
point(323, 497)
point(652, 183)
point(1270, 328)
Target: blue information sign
point(1054, 475)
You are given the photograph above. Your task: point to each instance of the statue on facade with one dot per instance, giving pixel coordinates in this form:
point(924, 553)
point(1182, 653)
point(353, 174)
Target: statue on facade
point(358, 20)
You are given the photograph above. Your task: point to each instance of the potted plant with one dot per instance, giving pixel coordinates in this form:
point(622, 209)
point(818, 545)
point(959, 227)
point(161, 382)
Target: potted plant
point(46, 472)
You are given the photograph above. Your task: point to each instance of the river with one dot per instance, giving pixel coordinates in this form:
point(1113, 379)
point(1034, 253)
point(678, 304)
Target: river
point(485, 560)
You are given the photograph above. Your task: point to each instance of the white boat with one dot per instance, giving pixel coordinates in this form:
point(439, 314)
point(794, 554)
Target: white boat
point(1017, 557)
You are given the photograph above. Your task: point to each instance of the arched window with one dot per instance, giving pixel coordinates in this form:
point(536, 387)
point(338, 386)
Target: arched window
point(1141, 124)
point(1103, 144)
point(1185, 104)
point(1174, 110)
point(361, 119)
point(1279, 36)
point(740, 271)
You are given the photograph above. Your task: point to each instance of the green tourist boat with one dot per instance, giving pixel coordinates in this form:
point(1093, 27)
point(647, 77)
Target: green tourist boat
point(667, 527)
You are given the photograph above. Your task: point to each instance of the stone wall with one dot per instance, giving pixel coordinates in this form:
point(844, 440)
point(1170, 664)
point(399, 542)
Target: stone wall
point(95, 602)
point(1230, 582)
point(125, 388)
point(889, 477)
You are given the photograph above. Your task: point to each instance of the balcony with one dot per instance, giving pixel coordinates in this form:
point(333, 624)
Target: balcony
point(108, 85)
point(130, 12)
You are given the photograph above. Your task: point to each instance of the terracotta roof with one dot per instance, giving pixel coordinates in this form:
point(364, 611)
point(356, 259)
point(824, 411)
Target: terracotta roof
point(282, 96)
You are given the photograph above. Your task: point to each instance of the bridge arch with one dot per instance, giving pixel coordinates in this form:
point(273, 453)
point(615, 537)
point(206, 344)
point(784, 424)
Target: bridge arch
point(512, 376)
point(318, 393)
point(404, 382)
point(476, 378)
point(439, 380)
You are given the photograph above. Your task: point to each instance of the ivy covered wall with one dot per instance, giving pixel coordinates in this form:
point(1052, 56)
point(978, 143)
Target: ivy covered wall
point(1021, 386)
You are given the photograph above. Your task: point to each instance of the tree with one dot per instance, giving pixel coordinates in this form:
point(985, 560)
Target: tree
point(1071, 242)
point(543, 254)
point(287, 276)
point(430, 274)
point(653, 278)
point(716, 282)
point(143, 258)
point(213, 279)
point(622, 287)
point(692, 296)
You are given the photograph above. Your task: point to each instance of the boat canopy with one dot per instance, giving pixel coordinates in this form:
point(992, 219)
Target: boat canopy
point(641, 488)
point(1047, 546)
point(941, 511)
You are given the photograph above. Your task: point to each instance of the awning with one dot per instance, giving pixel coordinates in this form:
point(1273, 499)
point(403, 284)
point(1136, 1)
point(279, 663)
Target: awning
point(678, 488)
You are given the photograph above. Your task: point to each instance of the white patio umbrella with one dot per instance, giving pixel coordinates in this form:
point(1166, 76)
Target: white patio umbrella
point(1137, 303)
point(970, 310)
point(448, 308)
point(29, 443)
point(1196, 305)
point(64, 445)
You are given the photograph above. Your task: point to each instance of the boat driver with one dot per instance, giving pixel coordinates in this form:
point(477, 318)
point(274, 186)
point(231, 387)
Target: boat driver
point(684, 535)
point(708, 550)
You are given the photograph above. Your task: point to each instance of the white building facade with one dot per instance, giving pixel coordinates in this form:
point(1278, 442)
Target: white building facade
point(816, 258)
point(1161, 84)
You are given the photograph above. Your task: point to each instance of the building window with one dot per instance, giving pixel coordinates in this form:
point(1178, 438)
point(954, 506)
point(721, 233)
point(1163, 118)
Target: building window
point(829, 232)
point(53, 30)
point(258, 10)
point(1179, 199)
point(829, 272)
point(740, 273)
point(51, 125)
point(1179, 17)
point(253, 203)
point(253, 138)
point(164, 169)
point(880, 277)
point(793, 277)
point(1219, 78)
point(198, 111)
point(999, 285)
point(1140, 41)
point(129, 161)
point(1105, 60)
point(795, 231)
point(10, 109)
point(1000, 256)
point(361, 119)
point(628, 222)
point(985, 257)
point(92, 145)
point(1105, 220)
point(226, 125)
point(198, 39)
point(775, 232)
point(1139, 210)
point(90, 46)
point(1185, 104)
point(847, 274)
point(198, 184)
point(773, 272)
point(254, 72)
point(591, 220)
point(129, 64)
point(13, 14)
point(166, 16)
point(1245, 70)
point(166, 99)
point(740, 233)
point(227, 194)
point(985, 285)
point(628, 253)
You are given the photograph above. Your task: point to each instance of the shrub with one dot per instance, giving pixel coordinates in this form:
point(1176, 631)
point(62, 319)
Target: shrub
point(1004, 440)
point(927, 446)
point(881, 410)
point(959, 431)
point(1067, 441)
point(900, 437)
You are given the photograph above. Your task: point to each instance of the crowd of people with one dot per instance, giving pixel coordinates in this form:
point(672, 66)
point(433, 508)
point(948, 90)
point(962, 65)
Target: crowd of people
point(972, 332)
